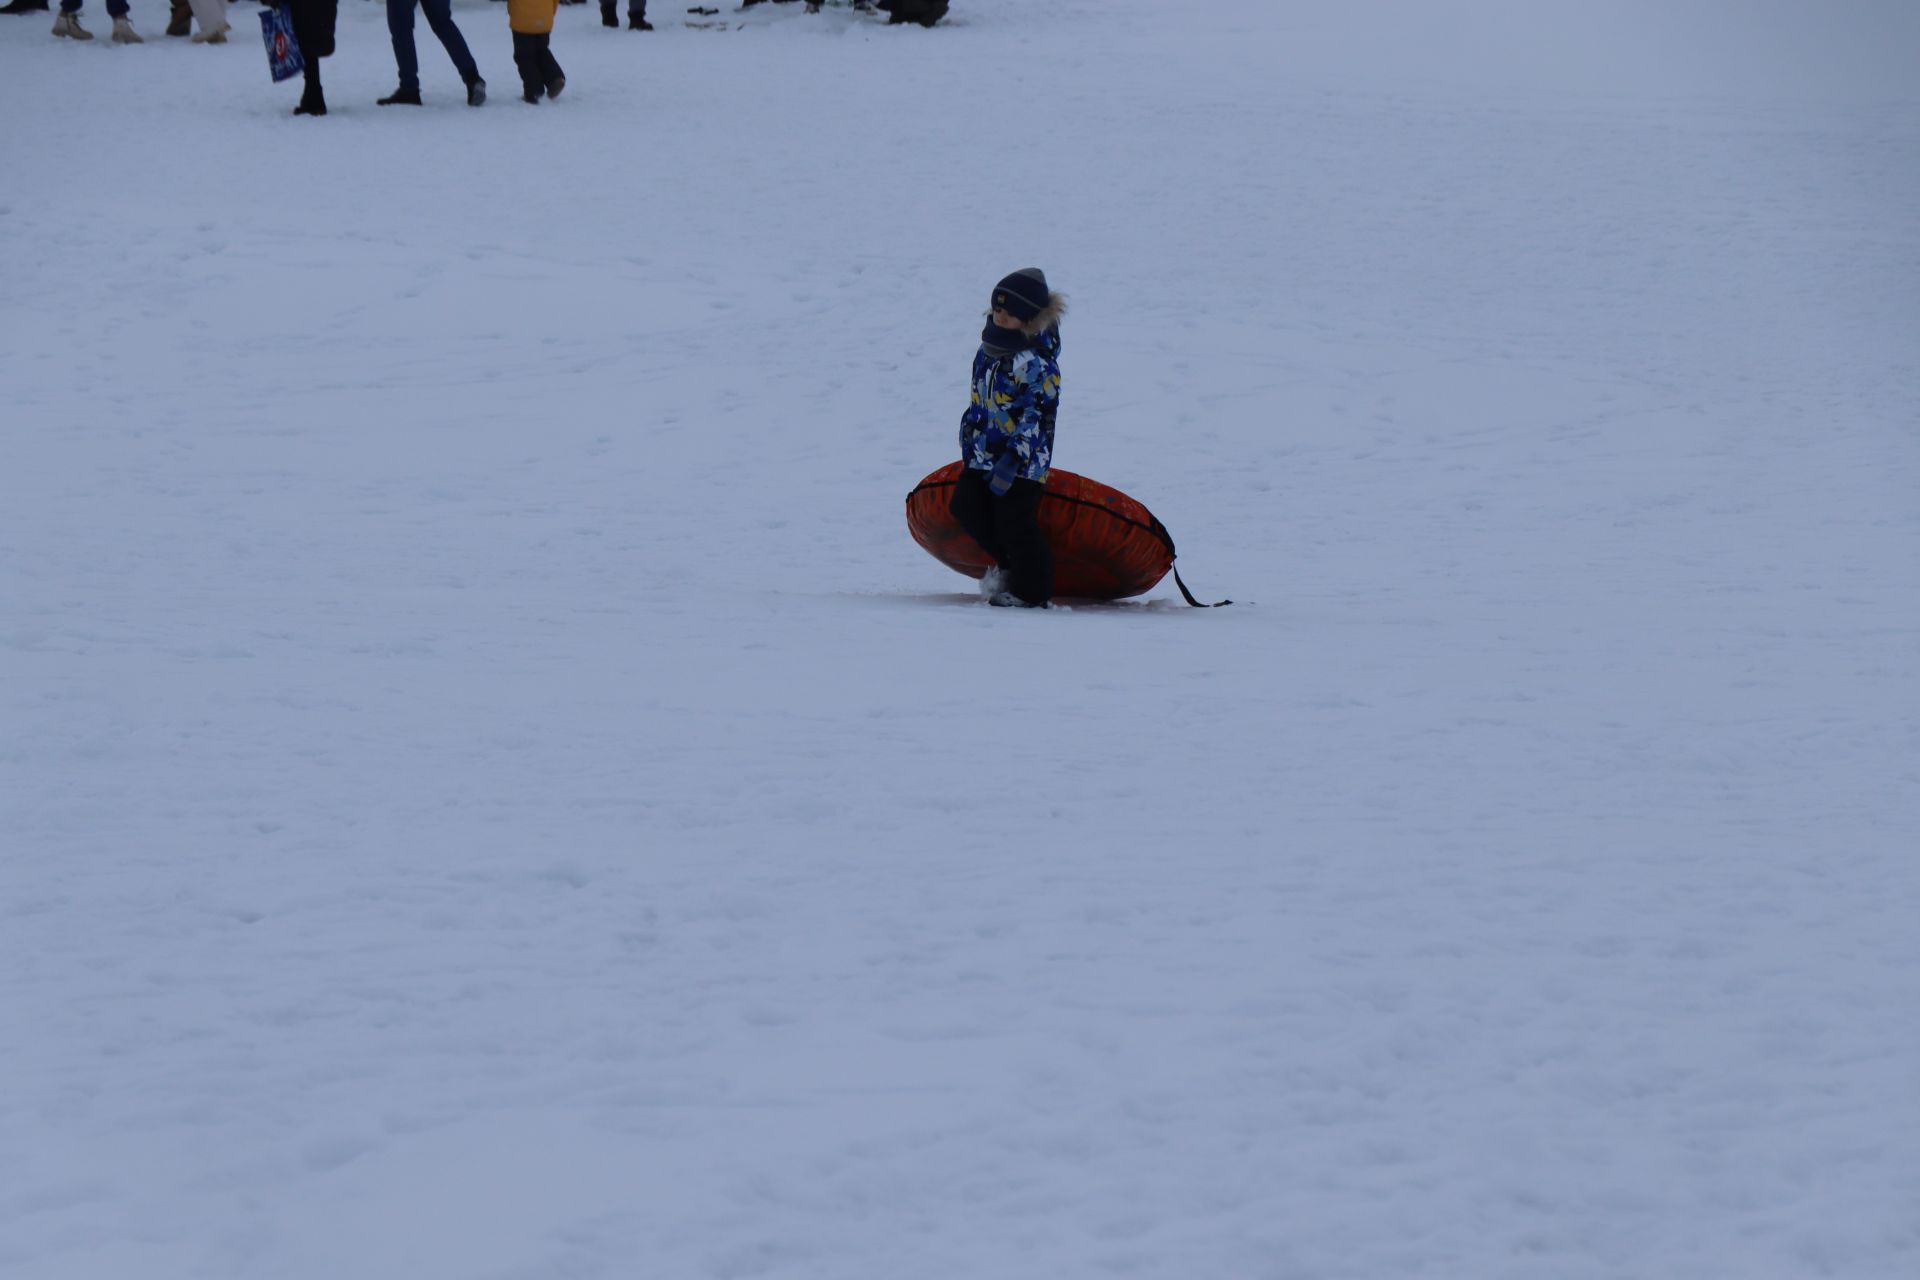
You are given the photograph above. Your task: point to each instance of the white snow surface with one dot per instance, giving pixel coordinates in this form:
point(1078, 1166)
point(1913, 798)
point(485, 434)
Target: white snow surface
point(492, 791)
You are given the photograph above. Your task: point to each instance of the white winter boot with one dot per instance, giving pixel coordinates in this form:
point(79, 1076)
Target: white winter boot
point(123, 32)
point(67, 25)
point(212, 17)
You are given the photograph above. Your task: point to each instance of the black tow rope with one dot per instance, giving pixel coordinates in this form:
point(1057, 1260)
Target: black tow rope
point(1189, 595)
point(1160, 532)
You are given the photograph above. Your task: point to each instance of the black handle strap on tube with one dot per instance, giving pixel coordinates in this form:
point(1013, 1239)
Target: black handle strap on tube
point(1217, 604)
point(1160, 532)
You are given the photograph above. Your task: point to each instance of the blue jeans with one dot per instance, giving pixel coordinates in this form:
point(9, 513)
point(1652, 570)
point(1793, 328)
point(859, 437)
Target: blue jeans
point(115, 8)
point(400, 27)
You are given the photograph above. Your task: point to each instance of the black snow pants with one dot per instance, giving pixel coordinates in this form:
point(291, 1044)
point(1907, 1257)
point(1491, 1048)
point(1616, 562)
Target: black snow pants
point(1008, 529)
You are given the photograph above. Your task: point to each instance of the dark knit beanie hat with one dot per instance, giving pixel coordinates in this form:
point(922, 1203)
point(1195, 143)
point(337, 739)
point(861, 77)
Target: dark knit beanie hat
point(1024, 293)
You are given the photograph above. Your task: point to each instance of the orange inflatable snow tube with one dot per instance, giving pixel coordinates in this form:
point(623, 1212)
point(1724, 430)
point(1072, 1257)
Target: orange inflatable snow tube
point(1106, 546)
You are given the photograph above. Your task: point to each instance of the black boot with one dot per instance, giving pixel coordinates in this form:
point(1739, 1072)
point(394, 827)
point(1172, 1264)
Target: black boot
point(924, 12)
point(526, 60)
point(401, 97)
point(312, 101)
point(609, 13)
point(550, 72)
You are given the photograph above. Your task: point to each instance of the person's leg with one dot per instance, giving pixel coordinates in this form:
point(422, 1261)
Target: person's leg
point(970, 509)
point(313, 26)
point(66, 24)
point(529, 20)
point(550, 72)
point(405, 56)
point(122, 15)
point(440, 18)
point(211, 13)
point(526, 60)
point(1028, 559)
point(313, 102)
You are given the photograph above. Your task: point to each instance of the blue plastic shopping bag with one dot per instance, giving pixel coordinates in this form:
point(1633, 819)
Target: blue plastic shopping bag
point(283, 47)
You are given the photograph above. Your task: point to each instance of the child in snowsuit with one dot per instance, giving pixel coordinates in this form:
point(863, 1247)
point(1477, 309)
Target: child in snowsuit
point(1006, 439)
point(532, 23)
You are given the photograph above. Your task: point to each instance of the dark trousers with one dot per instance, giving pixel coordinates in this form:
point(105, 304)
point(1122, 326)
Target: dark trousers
point(313, 24)
point(535, 61)
point(1008, 529)
point(115, 8)
point(440, 18)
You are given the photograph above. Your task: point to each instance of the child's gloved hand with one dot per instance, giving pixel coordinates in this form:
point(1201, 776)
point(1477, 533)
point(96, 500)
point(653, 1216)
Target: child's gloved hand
point(1004, 470)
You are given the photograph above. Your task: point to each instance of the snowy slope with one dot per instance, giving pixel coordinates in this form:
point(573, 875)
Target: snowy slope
point(490, 789)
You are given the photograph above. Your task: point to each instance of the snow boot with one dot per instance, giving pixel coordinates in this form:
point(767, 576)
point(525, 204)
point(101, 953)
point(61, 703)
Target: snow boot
point(180, 20)
point(401, 97)
point(637, 20)
point(476, 92)
point(210, 37)
point(123, 32)
point(923, 12)
point(312, 101)
point(67, 26)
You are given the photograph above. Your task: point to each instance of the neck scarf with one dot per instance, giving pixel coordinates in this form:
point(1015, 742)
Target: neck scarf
point(1003, 342)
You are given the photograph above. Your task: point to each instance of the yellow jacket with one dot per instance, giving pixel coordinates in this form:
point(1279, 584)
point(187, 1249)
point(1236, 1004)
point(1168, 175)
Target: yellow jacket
point(531, 17)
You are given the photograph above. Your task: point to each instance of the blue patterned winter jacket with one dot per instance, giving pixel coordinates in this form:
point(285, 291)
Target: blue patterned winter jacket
point(1014, 401)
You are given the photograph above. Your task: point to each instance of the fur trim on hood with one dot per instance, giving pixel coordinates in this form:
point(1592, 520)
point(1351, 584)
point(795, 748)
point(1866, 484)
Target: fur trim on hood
point(1048, 316)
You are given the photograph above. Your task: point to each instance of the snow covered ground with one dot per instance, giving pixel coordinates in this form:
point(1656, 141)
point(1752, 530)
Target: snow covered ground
point(490, 790)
